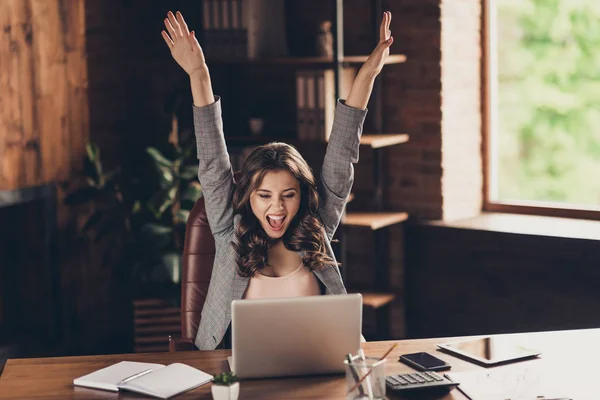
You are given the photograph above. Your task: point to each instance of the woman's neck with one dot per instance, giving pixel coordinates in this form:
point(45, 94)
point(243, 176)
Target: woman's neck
point(281, 261)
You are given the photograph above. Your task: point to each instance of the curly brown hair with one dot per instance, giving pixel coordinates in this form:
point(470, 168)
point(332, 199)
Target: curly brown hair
point(305, 233)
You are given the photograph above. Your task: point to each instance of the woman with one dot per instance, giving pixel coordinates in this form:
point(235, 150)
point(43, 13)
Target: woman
point(273, 228)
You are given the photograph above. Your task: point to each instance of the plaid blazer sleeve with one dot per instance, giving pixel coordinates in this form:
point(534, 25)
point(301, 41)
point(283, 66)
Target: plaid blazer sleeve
point(337, 174)
point(214, 168)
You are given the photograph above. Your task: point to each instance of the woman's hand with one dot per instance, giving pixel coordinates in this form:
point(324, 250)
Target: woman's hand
point(183, 44)
point(376, 60)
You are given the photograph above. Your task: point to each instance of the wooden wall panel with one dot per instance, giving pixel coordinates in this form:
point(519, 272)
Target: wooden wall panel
point(43, 91)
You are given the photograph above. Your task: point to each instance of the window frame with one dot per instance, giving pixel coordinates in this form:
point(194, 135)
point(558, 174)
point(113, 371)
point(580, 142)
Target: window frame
point(487, 125)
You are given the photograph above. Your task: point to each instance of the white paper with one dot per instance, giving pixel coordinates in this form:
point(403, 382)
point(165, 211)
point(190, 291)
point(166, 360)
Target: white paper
point(507, 384)
point(108, 378)
point(168, 381)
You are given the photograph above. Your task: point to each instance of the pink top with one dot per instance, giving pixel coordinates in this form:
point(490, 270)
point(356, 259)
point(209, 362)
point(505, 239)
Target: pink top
point(301, 282)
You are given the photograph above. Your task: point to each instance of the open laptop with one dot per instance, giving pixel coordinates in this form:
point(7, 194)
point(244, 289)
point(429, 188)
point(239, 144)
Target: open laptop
point(294, 336)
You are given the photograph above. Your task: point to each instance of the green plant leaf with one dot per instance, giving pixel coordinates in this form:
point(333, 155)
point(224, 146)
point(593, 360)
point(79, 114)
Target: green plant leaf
point(136, 208)
point(162, 200)
point(92, 151)
point(166, 268)
point(182, 216)
point(82, 195)
point(171, 262)
point(192, 192)
point(94, 169)
point(155, 237)
point(189, 172)
point(188, 150)
point(159, 157)
point(225, 379)
point(166, 176)
point(90, 170)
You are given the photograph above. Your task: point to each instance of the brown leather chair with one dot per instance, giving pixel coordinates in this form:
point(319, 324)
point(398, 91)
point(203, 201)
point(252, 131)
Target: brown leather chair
point(198, 259)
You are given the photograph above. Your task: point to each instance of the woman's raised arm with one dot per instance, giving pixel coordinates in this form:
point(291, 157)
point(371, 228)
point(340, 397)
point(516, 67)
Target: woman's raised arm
point(214, 168)
point(337, 174)
point(186, 50)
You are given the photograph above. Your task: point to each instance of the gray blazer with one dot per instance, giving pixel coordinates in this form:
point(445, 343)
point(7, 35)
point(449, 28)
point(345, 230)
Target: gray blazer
point(216, 177)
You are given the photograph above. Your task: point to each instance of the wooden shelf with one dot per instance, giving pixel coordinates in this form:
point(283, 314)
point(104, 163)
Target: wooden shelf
point(377, 300)
point(374, 220)
point(310, 62)
point(377, 141)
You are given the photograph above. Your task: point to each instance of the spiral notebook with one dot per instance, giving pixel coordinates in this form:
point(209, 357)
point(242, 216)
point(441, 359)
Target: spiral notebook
point(150, 379)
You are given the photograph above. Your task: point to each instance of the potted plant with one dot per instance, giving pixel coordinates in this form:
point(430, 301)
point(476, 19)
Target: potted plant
point(139, 217)
point(225, 386)
point(144, 216)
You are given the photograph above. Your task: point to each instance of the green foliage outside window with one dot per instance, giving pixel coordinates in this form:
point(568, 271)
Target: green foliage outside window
point(548, 109)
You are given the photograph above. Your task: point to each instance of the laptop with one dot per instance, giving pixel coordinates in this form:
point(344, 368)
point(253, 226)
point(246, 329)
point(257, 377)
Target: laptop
point(294, 336)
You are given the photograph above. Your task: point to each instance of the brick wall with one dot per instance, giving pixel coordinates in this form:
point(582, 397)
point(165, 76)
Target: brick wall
point(412, 101)
point(462, 176)
point(435, 97)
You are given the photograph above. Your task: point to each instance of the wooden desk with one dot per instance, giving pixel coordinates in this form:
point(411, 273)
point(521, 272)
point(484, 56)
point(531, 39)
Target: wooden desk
point(571, 356)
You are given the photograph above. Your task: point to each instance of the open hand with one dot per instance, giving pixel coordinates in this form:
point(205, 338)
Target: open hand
point(183, 44)
point(376, 60)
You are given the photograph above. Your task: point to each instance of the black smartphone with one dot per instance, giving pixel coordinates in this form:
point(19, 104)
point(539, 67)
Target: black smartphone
point(424, 362)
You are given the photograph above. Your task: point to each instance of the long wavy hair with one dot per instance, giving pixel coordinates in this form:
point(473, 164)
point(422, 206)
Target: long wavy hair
point(304, 234)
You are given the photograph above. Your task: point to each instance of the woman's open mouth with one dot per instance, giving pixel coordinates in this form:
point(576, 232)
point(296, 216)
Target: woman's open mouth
point(275, 222)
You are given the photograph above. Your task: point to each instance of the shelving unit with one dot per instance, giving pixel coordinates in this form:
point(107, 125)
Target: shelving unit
point(378, 298)
point(376, 219)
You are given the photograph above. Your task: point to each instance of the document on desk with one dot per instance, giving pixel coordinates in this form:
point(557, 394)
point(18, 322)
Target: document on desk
point(150, 379)
point(507, 384)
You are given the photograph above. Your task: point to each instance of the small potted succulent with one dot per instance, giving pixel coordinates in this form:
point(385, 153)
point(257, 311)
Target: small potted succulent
point(225, 386)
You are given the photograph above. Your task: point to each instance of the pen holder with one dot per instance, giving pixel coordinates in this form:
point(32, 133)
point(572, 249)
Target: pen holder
point(372, 372)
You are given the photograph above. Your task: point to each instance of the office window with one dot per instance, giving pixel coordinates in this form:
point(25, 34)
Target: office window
point(542, 103)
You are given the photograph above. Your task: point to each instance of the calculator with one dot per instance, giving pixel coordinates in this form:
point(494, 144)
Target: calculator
point(419, 381)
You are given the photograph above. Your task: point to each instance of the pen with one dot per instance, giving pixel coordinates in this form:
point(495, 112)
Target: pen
point(354, 373)
point(363, 358)
point(369, 373)
point(132, 377)
point(553, 398)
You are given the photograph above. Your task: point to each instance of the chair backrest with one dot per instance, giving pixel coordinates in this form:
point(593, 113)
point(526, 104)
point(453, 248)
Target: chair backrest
point(198, 258)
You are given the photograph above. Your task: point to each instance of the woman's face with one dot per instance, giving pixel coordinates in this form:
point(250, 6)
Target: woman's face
point(276, 201)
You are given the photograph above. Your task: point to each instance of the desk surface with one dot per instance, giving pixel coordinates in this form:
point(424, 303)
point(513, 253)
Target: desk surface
point(571, 356)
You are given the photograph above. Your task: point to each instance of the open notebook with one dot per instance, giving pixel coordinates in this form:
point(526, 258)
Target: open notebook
point(150, 379)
